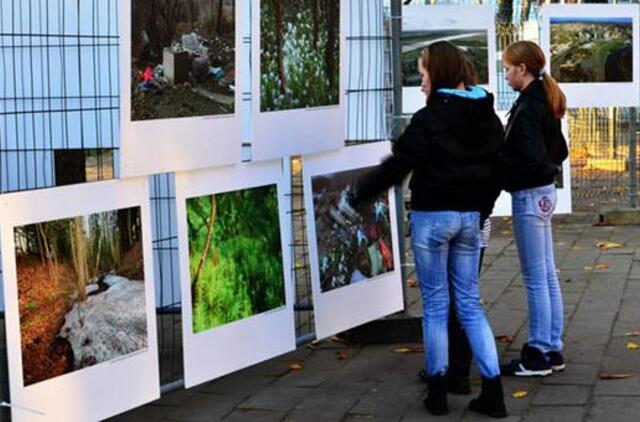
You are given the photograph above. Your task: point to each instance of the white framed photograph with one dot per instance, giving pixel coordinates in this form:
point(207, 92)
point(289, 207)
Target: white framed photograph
point(471, 28)
point(235, 268)
point(593, 52)
point(181, 76)
point(300, 76)
point(355, 265)
point(80, 308)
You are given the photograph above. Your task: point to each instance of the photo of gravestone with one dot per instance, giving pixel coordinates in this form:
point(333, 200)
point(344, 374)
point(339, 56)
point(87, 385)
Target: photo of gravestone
point(183, 58)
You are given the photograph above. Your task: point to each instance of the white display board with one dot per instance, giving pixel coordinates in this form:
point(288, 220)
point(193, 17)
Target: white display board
point(472, 28)
point(340, 307)
point(160, 145)
point(502, 206)
point(285, 130)
point(92, 391)
point(593, 52)
point(221, 348)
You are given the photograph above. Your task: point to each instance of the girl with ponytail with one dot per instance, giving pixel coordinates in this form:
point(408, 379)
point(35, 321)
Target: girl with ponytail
point(531, 159)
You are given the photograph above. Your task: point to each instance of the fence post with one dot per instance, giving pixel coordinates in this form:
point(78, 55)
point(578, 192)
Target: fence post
point(396, 129)
point(633, 173)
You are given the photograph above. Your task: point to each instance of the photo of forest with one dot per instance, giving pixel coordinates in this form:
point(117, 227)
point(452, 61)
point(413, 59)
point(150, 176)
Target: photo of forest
point(592, 49)
point(235, 256)
point(356, 251)
point(182, 58)
point(81, 292)
point(474, 44)
point(300, 56)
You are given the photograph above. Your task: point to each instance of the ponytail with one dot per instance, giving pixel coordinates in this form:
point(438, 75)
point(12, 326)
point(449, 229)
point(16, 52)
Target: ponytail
point(531, 55)
point(555, 96)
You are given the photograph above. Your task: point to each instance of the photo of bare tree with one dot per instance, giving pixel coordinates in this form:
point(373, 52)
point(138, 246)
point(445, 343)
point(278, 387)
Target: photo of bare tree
point(182, 58)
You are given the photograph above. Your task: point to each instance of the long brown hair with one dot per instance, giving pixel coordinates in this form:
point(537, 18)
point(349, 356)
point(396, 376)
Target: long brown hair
point(447, 66)
point(531, 55)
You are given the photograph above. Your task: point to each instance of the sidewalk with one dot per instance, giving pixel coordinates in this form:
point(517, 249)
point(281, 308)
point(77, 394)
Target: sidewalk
point(341, 382)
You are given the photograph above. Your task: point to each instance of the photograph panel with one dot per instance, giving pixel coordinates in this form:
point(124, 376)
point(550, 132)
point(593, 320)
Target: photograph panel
point(474, 44)
point(182, 58)
point(591, 49)
point(81, 292)
point(235, 256)
point(350, 251)
point(300, 54)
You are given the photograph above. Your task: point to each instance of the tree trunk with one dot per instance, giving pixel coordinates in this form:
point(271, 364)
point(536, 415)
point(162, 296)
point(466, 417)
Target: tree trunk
point(207, 243)
point(279, 43)
point(79, 245)
point(219, 17)
point(505, 11)
point(48, 257)
point(314, 9)
point(331, 22)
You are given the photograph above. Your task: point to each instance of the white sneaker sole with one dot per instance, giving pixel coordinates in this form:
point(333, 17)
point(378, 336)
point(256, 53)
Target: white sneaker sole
point(524, 372)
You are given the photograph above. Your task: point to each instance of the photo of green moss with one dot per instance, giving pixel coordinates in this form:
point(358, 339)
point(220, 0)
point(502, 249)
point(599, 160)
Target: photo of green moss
point(300, 54)
point(235, 256)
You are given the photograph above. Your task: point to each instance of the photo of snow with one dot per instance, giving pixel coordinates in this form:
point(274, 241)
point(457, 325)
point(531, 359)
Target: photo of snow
point(591, 49)
point(300, 54)
point(81, 292)
point(354, 250)
point(474, 44)
point(182, 58)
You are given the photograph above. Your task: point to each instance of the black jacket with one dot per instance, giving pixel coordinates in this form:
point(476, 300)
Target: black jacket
point(534, 146)
point(452, 147)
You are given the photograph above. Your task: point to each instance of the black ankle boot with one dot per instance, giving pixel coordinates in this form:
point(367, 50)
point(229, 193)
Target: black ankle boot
point(491, 399)
point(436, 400)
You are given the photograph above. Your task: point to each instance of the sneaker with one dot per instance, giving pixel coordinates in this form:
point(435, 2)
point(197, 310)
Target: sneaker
point(532, 363)
point(556, 360)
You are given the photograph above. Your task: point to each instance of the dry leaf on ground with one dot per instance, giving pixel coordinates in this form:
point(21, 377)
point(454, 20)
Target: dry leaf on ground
point(503, 338)
point(612, 376)
point(518, 394)
point(632, 334)
point(336, 339)
point(632, 346)
point(296, 367)
point(342, 355)
point(411, 282)
point(588, 268)
point(413, 349)
point(602, 266)
point(605, 246)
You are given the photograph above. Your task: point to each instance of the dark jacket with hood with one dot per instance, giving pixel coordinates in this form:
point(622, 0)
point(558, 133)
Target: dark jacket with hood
point(534, 146)
point(452, 147)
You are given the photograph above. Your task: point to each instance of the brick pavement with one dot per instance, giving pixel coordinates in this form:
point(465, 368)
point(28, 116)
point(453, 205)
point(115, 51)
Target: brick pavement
point(346, 382)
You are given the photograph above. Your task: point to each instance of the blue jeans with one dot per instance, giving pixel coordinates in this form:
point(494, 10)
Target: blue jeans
point(532, 209)
point(446, 247)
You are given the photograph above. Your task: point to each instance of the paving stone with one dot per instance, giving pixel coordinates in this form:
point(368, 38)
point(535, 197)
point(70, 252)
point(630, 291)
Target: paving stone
point(569, 395)
point(618, 409)
point(241, 415)
point(555, 414)
point(276, 399)
point(202, 408)
point(574, 374)
point(331, 402)
point(146, 413)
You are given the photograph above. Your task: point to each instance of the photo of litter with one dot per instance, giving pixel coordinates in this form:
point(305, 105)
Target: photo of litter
point(592, 49)
point(183, 58)
point(474, 44)
point(353, 246)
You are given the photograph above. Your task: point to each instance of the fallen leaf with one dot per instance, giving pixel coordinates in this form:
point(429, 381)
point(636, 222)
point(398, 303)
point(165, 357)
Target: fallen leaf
point(518, 394)
point(576, 248)
point(411, 282)
point(632, 334)
point(483, 302)
point(296, 367)
point(503, 338)
point(412, 349)
point(336, 339)
point(602, 266)
point(568, 280)
point(611, 376)
point(605, 246)
point(506, 232)
point(342, 355)
point(588, 268)
point(632, 346)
